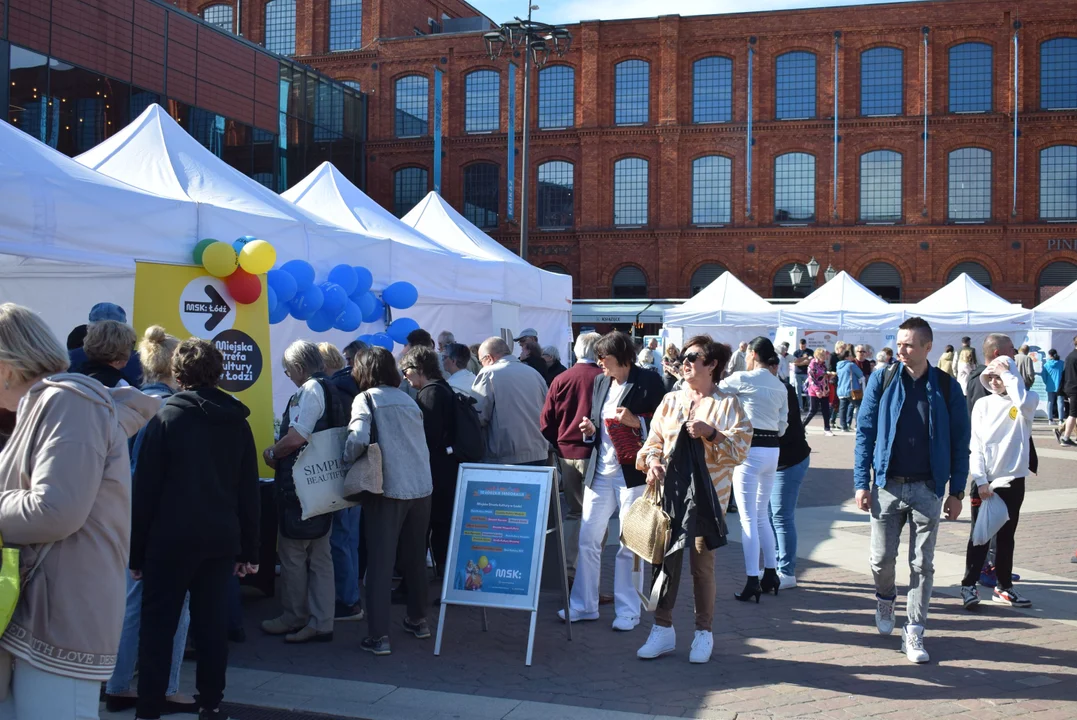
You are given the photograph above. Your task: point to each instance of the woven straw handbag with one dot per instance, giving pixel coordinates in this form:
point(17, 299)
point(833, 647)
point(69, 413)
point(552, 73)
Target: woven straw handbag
point(646, 529)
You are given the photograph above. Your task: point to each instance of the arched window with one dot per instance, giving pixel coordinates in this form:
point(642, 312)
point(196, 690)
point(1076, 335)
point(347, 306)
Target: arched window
point(1058, 74)
point(1056, 277)
point(632, 101)
point(783, 287)
point(410, 185)
point(555, 268)
point(556, 97)
point(795, 86)
point(794, 188)
point(345, 25)
point(974, 270)
point(880, 186)
point(481, 184)
point(971, 77)
point(630, 191)
point(219, 16)
point(354, 85)
point(712, 90)
point(881, 83)
point(705, 275)
point(280, 27)
point(555, 194)
point(883, 279)
point(712, 190)
point(412, 106)
point(629, 282)
point(970, 185)
point(482, 109)
point(1058, 183)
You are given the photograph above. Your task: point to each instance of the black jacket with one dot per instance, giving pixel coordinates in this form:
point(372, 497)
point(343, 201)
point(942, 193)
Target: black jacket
point(537, 364)
point(976, 390)
point(196, 482)
point(554, 370)
point(107, 375)
point(1069, 374)
point(437, 401)
point(643, 394)
point(343, 381)
point(688, 495)
point(793, 445)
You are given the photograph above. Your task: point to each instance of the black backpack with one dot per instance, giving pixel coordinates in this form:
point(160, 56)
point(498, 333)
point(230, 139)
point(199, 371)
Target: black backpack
point(944, 380)
point(468, 444)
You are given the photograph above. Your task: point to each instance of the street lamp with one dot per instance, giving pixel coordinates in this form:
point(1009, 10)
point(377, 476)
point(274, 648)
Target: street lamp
point(537, 41)
point(830, 272)
point(796, 274)
point(813, 268)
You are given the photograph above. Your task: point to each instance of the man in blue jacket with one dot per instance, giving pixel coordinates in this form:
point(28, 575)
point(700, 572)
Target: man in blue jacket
point(913, 432)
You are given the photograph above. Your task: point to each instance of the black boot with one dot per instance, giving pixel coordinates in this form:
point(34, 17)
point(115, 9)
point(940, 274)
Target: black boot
point(770, 581)
point(751, 590)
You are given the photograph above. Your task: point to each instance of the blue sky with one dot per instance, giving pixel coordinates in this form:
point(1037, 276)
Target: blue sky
point(567, 11)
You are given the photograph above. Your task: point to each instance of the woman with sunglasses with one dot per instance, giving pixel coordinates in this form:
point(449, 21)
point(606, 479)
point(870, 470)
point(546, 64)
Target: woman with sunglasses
point(766, 403)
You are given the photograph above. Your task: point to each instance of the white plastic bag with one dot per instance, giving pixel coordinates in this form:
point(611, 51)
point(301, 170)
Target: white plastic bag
point(990, 519)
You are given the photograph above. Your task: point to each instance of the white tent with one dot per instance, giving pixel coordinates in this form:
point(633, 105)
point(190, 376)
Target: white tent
point(727, 309)
point(544, 298)
point(842, 304)
point(1058, 312)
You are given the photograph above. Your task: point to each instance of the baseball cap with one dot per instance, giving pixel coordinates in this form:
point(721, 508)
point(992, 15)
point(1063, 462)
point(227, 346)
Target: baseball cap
point(107, 311)
point(532, 332)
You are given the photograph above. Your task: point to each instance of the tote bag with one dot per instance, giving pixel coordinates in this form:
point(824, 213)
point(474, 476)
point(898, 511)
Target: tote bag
point(319, 473)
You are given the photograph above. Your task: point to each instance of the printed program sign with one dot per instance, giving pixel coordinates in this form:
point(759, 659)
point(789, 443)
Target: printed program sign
point(497, 538)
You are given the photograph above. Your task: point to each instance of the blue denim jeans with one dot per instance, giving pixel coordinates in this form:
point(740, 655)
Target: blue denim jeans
point(127, 655)
point(1055, 411)
point(783, 505)
point(344, 547)
point(916, 505)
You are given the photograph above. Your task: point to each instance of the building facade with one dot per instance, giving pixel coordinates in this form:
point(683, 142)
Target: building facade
point(77, 71)
point(903, 143)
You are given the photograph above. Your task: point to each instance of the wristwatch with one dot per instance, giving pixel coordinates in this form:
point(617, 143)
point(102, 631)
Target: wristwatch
point(958, 495)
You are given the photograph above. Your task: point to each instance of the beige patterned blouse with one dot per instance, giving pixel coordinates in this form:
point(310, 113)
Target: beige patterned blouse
point(721, 410)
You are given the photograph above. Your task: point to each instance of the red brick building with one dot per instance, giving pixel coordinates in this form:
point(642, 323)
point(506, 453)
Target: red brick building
point(641, 183)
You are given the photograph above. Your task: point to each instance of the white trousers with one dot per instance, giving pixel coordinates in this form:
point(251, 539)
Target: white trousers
point(39, 695)
point(753, 480)
point(606, 496)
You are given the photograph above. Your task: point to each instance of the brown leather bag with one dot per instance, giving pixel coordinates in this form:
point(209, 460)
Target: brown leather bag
point(647, 527)
point(365, 475)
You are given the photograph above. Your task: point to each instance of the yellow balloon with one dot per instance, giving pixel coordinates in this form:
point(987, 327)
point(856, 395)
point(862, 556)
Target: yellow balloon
point(483, 562)
point(257, 257)
point(219, 259)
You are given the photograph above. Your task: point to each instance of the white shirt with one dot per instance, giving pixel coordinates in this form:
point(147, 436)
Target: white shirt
point(608, 465)
point(306, 408)
point(1001, 428)
point(763, 397)
point(461, 381)
point(783, 367)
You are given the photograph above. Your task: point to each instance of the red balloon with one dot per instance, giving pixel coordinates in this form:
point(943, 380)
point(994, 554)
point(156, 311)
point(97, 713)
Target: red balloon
point(486, 570)
point(244, 287)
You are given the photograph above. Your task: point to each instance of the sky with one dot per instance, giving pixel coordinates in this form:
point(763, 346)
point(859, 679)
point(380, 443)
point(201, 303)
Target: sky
point(570, 11)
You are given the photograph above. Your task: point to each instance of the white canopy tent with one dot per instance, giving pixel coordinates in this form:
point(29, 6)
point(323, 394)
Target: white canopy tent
point(544, 298)
point(727, 310)
point(1058, 312)
point(842, 304)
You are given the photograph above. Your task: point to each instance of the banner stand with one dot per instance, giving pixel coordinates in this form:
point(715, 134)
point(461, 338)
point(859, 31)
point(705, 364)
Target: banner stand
point(501, 519)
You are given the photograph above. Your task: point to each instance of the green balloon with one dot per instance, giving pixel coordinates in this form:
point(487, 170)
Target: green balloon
point(200, 248)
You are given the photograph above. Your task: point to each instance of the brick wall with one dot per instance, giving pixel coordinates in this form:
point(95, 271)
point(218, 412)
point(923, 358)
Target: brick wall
point(924, 247)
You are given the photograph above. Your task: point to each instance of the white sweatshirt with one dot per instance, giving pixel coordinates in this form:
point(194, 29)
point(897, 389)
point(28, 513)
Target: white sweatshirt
point(1001, 428)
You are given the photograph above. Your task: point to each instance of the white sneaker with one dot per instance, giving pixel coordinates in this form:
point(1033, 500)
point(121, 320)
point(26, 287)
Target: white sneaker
point(912, 643)
point(577, 616)
point(702, 646)
point(788, 581)
point(827, 433)
point(884, 616)
point(661, 641)
point(625, 624)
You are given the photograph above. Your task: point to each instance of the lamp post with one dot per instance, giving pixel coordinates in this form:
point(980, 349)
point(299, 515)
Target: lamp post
point(536, 40)
point(812, 267)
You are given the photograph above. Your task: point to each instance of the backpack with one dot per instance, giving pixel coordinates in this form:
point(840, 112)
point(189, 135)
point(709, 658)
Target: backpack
point(944, 380)
point(468, 444)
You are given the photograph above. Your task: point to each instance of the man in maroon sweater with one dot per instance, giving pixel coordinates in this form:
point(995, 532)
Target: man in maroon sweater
point(568, 401)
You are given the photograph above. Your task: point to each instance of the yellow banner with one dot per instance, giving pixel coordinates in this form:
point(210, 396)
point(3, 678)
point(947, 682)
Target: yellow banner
point(188, 302)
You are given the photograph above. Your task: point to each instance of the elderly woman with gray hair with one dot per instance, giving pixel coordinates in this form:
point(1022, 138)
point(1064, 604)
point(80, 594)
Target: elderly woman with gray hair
point(306, 562)
point(552, 357)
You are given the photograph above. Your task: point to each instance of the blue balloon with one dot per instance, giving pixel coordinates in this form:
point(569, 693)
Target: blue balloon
point(400, 328)
point(271, 299)
point(400, 295)
point(278, 313)
point(344, 275)
point(283, 284)
point(382, 340)
point(365, 338)
point(320, 321)
point(364, 280)
point(306, 303)
point(372, 308)
point(302, 271)
point(334, 297)
point(240, 242)
point(349, 319)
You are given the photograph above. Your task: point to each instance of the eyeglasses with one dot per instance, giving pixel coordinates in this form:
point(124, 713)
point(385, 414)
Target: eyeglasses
point(691, 357)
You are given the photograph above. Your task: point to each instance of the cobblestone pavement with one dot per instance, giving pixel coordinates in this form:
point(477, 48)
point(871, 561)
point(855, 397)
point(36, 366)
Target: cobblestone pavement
point(809, 652)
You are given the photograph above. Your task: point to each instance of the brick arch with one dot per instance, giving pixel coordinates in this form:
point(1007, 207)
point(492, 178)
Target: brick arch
point(409, 73)
point(882, 44)
point(689, 269)
point(709, 152)
point(781, 261)
point(480, 68)
point(874, 256)
point(691, 60)
point(559, 157)
point(199, 7)
point(611, 269)
point(1044, 260)
point(1041, 39)
point(408, 164)
point(631, 56)
point(975, 39)
point(997, 275)
point(1056, 139)
point(861, 150)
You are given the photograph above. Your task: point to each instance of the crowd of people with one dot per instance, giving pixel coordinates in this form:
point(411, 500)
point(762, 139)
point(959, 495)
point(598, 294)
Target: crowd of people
point(99, 482)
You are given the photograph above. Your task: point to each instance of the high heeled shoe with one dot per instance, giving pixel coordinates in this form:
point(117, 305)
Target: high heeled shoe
point(751, 590)
point(770, 581)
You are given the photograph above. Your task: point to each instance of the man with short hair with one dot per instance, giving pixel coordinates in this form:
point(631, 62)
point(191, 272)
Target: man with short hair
point(132, 371)
point(1026, 368)
point(531, 355)
point(527, 334)
point(1069, 389)
point(511, 396)
point(738, 362)
point(783, 362)
point(445, 339)
point(419, 337)
point(889, 352)
point(567, 403)
point(913, 434)
point(802, 358)
point(456, 359)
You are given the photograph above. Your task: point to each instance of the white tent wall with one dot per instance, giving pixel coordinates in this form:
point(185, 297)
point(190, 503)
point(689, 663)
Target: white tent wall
point(731, 336)
point(1058, 312)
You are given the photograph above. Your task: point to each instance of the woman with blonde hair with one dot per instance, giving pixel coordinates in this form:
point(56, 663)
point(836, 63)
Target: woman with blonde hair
point(108, 347)
point(966, 364)
point(334, 361)
point(818, 387)
point(65, 478)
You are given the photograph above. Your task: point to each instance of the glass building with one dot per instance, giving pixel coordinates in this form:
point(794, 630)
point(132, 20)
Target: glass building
point(273, 119)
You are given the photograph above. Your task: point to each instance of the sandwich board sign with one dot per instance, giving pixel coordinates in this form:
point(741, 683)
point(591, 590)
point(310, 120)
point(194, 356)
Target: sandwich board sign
point(498, 540)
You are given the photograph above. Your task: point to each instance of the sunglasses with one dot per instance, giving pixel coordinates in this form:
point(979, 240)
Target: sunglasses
point(691, 357)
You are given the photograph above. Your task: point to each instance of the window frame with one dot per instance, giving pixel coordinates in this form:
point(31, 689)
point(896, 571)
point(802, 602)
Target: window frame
point(560, 96)
point(396, 187)
point(468, 186)
point(539, 219)
point(1062, 162)
point(632, 296)
point(1069, 53)
point(795, 222)
point(482, 105)
point(278, 5)
point(884, 69)
point(990, 77)
point(646, 195)
point(346, 8)
point(231, 29)
point(728, 170)
point(397, 123)
point(950, 218)
point(891, 220)
point(723, 64)
point(778, 102)
point(638, 88)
